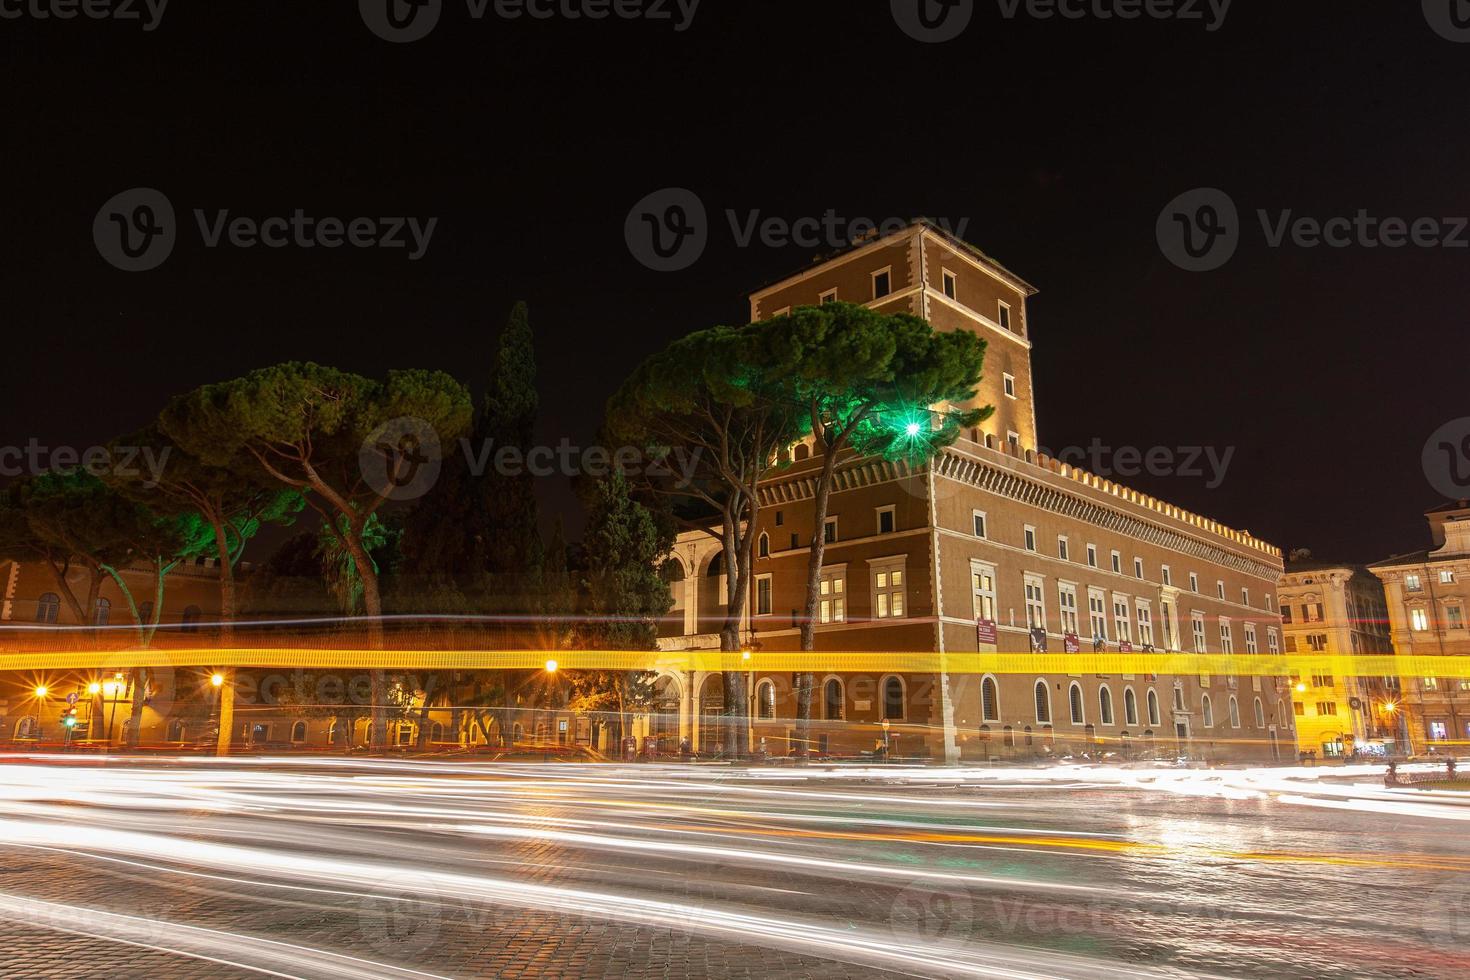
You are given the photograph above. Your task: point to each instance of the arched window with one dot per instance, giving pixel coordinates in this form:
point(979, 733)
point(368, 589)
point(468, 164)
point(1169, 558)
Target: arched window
point(801, 452)
point(192, 616)
point(1029, 739)
point(436, 732)
point(48, 607)
point(1153, 707)
point(1043, 703)
point(893, 699)
point(1260, 714)
point(832, 699)
point(1105, 705)
point(765, 699)
point(1208, 707)
point(27, 727)
point(1074, 699)
point(1130, 707)
point(298, 731)
point(989, 699)
point(763, 546)
point(1010, 737)
point(716, 566)
point(1234, 712)
point(101, 612)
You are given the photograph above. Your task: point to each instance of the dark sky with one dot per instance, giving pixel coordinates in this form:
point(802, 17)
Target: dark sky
point(1059, 141)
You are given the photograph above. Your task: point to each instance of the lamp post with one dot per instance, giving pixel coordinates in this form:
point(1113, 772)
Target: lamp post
point(886, 745)
point(111, 690)
point(40, 692)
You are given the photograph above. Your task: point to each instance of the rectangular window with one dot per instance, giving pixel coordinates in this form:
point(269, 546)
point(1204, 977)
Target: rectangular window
point(1245, 597)
point(829, 530)
point(1313, 612)
point(951, 284)
point(1197, 623)
point(1194, 583)
point(1138, 568)
point(1219, 590)
point(1092, 556)
point(1326, 707)
point(1270, 603)
point(1446, 577)
point(1412, 583)
point(1430, 684)
point(1166, 623)
point(1118, 562)
point(1273, 641)
point(888, 590)
point(780, 517)
point(1010, 385)
point(1003, 316)
point(1227, 641)
point(795, 541)
point(1454, 617)
point(1030, 537)
point(1291, 644)
point(1286, 613)
point(982, 578)
point(1121, 621)
point(1014, 439)
point(1097, 613)
point(1035, 604)
point(1067, 602)
point(885, 520)
point(1145, 623)
point(1438, 731)
point(1251, 646)
point(1063, 549)
point(1167, 575)
point(882, 283)
point(830, 296)
point(763, 595)
point(833, 597)
point(980, 524)
point(1419, 620)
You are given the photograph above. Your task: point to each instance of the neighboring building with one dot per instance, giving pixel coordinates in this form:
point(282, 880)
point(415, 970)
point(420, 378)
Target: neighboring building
point(1338, 608)
point(992, 548)
point(1428, 600)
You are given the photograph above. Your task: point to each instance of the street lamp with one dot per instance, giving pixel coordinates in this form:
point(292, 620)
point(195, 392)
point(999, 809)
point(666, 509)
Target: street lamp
point(218, 680)
point(551, 666)
point(885, 725)
point(111, 690)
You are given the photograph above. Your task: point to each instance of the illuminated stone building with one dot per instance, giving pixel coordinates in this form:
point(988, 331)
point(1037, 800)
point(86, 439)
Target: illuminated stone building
point(1334, 608)
point(1428, 599)
point(992, 548)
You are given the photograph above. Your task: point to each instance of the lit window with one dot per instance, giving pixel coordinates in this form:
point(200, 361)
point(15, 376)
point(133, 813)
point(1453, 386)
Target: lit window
point(1446, 577)
point(833, 597)
point(767, 700)
point(1419, 620)
point(1067, 601)
point(982, 578)
point(888, 591)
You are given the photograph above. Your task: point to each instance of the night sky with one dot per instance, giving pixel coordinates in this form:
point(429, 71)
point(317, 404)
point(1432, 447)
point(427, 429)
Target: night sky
point(1059, 141)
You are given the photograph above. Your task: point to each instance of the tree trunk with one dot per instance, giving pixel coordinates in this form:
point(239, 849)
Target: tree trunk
point(431, 681)
point(226, 561)
point(140, 693)
point(804, 679)
point(372, 605)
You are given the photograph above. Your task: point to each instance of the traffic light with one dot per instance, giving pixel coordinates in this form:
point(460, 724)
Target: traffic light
point(69, 719)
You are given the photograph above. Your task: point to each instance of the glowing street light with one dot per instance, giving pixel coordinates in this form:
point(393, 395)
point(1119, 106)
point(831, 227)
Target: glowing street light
point(912, 429)
point(551, 666)
point(217, 680)
point(41, 690)
point(94, 688)
point(1301, 688)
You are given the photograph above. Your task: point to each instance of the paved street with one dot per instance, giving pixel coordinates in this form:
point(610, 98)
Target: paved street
point(334, 868)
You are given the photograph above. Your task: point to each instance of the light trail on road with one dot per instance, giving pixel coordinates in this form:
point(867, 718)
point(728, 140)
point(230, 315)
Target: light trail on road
point(341, 867)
